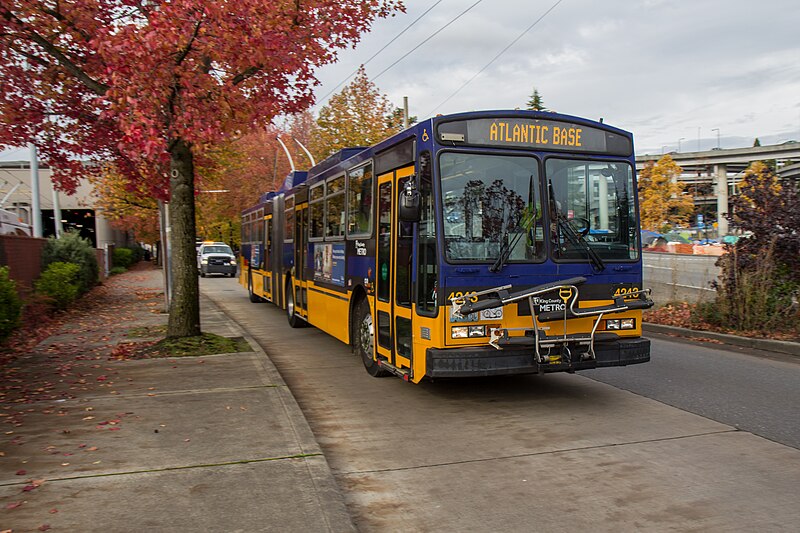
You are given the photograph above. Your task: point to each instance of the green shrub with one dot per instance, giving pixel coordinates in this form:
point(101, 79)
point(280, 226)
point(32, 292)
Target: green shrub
point(123, 257)
point(117, 270)
point(10, 304)
point(60, 282)
point(72, 248)
point(754, 294)
point(138, 253)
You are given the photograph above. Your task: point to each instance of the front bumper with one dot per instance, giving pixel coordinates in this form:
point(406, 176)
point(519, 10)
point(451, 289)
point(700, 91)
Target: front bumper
point(487, 361)
point(218, 269)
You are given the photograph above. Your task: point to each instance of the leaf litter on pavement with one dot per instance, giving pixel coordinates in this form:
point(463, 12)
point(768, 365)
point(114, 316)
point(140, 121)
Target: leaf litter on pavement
point(53, 367)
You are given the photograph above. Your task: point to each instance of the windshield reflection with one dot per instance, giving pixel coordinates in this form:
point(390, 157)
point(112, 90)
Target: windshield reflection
point(485, 197)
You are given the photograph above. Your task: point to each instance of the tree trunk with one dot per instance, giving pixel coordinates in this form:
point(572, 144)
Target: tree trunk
point(184, 311)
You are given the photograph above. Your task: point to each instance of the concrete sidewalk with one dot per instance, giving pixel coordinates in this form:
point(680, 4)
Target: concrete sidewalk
point(213, 443)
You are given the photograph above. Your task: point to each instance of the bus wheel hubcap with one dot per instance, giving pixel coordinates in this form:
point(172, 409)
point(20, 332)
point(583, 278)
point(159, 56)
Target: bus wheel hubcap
point(365, 336)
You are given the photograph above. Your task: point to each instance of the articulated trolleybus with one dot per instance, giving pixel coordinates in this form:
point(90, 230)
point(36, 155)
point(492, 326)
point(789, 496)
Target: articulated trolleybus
point(473, 244)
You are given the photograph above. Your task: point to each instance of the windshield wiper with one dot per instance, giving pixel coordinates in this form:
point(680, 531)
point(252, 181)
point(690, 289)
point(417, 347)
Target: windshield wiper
point(575, 238)
point(506, 246)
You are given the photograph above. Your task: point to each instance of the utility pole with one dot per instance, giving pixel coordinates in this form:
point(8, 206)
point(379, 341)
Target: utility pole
point(59, 229)
point(717, 130)
point(36, 208)
point(405, 112)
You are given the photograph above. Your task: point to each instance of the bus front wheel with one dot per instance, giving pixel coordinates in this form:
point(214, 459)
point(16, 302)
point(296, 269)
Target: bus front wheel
point(364, 341)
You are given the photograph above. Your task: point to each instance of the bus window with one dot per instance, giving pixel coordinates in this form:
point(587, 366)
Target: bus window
point(359, 201)
point(334, 208)
point(316, 212)
point(427, 262)
point(596, 199)
point(384, 241)
point(405, 242)
point(288, 220)
point(490, 201)
point(268, 243)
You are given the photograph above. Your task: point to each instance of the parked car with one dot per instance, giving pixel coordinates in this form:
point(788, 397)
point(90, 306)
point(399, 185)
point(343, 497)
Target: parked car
point(216, 258)
point(11, 224)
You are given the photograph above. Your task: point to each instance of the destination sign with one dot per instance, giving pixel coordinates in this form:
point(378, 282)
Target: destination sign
point(531, 133)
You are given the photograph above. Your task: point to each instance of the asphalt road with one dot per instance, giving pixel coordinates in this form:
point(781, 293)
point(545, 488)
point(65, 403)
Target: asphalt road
point(753, 391)
point(526, 453)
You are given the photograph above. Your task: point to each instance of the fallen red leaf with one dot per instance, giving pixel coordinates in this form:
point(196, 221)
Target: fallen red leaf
point(13, 505)
point(21, 472)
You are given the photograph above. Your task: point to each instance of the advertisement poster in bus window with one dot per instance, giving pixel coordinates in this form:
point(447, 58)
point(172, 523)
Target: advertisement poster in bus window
point(329, 263)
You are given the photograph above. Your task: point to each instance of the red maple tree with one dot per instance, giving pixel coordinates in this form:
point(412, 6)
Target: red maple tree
point(150, 84)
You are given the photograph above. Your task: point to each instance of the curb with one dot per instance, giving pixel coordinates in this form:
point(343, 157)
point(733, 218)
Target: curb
point(769, 345)
point(329, 495)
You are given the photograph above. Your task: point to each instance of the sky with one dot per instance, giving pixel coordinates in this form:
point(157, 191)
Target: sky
point(670, 72)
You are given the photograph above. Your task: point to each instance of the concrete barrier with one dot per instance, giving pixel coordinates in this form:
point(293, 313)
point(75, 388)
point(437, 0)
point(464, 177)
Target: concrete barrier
point(679, 277)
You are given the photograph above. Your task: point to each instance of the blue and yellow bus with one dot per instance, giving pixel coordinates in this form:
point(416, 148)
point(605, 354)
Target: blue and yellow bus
point(473, 244)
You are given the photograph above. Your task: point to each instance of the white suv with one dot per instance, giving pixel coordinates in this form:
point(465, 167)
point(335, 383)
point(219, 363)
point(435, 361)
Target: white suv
point(216, 258)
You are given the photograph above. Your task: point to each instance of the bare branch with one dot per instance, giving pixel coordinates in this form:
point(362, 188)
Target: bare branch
point(246, 74)
point(56, 14)
point(58, 55)
point(188, 47)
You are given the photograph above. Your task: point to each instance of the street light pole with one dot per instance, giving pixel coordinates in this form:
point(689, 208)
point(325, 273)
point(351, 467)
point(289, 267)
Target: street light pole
point(679, 143)
point(717, 130)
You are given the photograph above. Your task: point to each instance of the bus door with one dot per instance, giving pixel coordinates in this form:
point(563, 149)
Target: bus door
point(267, 260)
point(300, 259)
point(393, 274)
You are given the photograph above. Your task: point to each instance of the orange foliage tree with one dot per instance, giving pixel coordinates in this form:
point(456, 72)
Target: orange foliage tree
point(663, 201)
point(151, 85)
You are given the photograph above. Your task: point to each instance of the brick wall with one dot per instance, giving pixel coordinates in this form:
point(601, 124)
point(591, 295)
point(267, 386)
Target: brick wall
point(23, 257)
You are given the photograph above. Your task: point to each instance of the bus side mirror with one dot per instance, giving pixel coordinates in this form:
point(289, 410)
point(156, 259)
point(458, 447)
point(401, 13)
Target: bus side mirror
point(409, 210)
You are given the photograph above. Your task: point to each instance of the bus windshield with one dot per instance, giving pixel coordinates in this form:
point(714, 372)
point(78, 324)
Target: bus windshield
point(592, 210)
point(491, 207)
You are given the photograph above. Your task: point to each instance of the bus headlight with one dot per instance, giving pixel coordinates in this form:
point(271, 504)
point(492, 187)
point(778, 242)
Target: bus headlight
point(477, 331)
point(459, 332)
point(620, 323)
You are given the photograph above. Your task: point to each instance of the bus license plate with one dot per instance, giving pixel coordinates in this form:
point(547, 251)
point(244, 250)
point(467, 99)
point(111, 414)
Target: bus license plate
point(492, 314)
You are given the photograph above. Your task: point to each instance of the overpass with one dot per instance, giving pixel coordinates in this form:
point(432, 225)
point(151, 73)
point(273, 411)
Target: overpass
point(712, 175)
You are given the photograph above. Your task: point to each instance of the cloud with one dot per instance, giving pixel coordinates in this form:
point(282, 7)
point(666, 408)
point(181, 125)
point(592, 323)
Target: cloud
point(659, 69)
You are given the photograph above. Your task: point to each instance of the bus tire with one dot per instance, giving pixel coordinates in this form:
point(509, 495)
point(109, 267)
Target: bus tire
point(364, 340)
point(254, 298)
point(295, 320)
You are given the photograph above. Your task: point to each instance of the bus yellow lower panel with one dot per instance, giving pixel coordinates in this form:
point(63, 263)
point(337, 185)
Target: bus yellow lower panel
point(329, 312)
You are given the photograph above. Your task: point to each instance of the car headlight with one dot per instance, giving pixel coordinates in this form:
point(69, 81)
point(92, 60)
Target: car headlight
point(204, 261)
